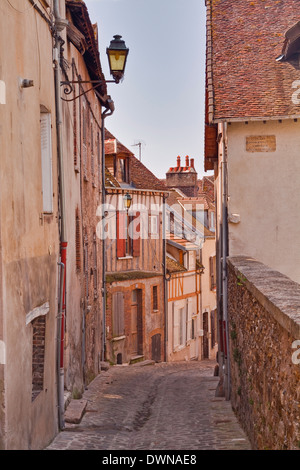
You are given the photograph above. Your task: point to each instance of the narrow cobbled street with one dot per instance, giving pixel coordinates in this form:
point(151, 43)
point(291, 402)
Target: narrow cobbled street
point(166, 406)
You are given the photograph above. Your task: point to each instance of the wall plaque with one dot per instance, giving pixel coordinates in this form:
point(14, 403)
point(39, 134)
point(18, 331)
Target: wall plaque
point(261, 143)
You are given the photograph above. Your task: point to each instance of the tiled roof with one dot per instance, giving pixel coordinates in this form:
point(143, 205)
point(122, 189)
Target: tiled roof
point(142, 178)
point(110, 180)
point(244, 80)
point(81, 20)
point(114, 146)
point(174, 266)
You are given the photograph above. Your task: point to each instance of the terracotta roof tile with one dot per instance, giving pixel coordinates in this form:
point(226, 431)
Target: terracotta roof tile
point(114, 146)
point(243, 40)
point(142, 178)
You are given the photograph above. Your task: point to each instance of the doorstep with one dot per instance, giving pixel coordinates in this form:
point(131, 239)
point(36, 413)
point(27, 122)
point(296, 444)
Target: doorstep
point(75, 411)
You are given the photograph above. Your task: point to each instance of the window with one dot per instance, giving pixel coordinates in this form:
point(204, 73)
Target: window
point(38, 354)
point(46, 157)
point(99, 159)
point(213, 325)
point(193, 329)
point(95, 269)
point(154, 298)
point(154, 226)
point(86, 266)
point(128, 234)
point(212, 272)
point(124, 169)
point(77, 240)
point(181, 326)
point(75, 134)
point(84, 114)
point(212, 221)
point(118, 314)
point(92, 156)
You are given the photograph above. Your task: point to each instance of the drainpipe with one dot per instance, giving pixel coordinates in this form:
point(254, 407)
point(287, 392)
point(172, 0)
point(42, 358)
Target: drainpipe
point(165, 278)
point(108, 112)
point(224, 250)
point(58, 26)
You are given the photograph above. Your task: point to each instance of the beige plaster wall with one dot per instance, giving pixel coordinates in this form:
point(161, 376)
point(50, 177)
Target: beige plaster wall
point(263, 189)
point(29, 239)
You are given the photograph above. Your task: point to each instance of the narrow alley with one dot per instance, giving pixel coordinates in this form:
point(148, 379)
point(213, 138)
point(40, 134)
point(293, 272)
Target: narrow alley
point(162, 406)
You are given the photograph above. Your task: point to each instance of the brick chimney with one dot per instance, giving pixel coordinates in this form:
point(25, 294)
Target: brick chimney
point(183, 178)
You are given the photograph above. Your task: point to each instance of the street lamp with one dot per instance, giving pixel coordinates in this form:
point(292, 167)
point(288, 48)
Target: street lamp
point(117, 53)
point(127, 201)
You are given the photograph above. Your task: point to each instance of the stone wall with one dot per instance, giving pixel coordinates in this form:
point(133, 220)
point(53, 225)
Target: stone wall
point(264, 334)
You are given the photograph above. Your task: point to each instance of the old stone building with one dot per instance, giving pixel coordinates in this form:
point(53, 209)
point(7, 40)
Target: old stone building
point(30, 247)
point(51, 181)
point(134, 265)
point(252, 144)
point(192, 319)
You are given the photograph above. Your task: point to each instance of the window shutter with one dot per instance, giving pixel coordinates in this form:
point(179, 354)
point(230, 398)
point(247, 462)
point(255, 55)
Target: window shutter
point(136, 242)
point(46, 155)
point(121, 234)
point(118, 313)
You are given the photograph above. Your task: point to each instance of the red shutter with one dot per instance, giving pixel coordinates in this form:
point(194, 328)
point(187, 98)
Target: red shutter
point(136, 242)
point(121, 234)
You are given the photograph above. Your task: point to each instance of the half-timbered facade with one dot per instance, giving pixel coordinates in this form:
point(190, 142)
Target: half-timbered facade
point(134, 264)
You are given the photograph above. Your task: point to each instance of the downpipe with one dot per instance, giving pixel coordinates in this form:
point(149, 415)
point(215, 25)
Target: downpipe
point(58, 26)
point(108, 112)
point(60, 331)
point(224, 261)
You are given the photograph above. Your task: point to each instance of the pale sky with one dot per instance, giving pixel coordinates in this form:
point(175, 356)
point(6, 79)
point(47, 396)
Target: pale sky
point(161, 99)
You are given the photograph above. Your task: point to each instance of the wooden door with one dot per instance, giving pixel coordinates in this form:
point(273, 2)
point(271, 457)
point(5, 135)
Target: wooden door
point(205, 336)
point(136, 322)
point(156, 347)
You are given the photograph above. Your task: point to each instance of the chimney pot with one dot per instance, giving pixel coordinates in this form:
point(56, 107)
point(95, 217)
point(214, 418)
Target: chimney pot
point(187, 161)
point(192, 162)
point(178, 162)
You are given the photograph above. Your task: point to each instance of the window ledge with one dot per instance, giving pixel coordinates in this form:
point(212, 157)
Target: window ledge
point(118, 338)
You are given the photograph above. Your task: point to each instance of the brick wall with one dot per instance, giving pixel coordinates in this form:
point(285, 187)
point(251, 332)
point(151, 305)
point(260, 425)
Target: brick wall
point(38, 354)
point(264, 322)
point(151, 322)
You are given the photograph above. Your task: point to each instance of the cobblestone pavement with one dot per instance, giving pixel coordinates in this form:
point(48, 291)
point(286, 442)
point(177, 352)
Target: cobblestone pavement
point(166, 406)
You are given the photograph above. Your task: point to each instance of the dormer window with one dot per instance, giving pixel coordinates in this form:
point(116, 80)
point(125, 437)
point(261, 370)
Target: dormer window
point(124, 170)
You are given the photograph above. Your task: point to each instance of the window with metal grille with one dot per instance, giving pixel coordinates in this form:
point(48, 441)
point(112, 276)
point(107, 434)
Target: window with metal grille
point(77, 240)
point(154, 298)
point(38, 354)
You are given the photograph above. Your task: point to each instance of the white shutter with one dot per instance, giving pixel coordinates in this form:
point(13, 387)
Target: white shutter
point(46, 155)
